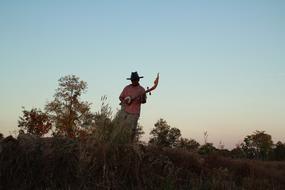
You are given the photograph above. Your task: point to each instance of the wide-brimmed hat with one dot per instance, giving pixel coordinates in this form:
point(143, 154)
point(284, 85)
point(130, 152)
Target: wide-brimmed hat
point(135, 76)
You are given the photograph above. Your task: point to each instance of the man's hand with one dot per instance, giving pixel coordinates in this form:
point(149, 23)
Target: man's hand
point(128, 100)
point(143, 99)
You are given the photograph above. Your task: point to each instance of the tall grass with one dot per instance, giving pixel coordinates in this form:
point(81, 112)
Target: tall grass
point(61, 163)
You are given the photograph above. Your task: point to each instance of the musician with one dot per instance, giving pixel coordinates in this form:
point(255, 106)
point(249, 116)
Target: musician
point(132, 96)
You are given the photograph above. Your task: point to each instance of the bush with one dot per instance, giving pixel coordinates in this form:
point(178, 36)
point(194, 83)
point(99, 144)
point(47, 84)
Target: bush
point(61, 163)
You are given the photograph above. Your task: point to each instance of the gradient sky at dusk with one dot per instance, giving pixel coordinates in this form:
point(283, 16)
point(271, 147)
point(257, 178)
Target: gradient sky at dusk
point(222, 62)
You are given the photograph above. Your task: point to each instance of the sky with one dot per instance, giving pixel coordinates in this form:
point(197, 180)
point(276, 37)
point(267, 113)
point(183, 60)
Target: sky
point(222, 62)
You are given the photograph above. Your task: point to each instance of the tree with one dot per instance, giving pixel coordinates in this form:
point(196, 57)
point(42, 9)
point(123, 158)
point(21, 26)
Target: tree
point(258, 145)
point(188, 144)
point(35, 122)
point(237, 152)
point(164, 135)
point(70, 116)
point(279, 151)
point(207, 148)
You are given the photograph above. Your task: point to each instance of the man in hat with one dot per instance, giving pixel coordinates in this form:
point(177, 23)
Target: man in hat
point(132, 96)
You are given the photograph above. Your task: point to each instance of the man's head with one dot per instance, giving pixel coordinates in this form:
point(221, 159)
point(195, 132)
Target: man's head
point(135, 78)
point(135, 82)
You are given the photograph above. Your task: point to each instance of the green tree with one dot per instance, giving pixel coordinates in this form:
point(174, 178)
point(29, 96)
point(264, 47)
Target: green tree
point(70, 116)
point(237, 152)
point(35, 122)
point(188, 144)
point(163, 135)
point(279, 151)
point(207, 148)
point(258, 145)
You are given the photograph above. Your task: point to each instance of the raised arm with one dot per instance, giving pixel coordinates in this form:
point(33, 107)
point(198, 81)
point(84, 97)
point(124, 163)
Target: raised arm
point(154, 86)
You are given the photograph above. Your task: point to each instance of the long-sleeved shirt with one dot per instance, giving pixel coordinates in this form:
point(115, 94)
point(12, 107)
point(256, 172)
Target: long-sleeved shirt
point(137, 92)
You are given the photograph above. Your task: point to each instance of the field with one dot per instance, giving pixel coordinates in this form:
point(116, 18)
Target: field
point(30, 162)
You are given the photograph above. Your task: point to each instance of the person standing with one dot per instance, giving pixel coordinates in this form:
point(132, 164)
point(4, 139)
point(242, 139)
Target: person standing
point(132, 96)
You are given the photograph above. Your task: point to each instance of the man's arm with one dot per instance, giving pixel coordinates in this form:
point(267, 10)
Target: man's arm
point(143, 98)
point(123, 95)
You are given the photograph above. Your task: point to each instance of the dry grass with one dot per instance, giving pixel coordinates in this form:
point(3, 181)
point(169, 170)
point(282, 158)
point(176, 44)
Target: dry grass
point(61, 163)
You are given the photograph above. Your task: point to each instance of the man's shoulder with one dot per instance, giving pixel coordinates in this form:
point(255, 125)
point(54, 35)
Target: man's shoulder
point(128, 86)
point(141, 88)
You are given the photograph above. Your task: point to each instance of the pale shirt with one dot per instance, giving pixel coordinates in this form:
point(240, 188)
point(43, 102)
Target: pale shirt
point(133, 91)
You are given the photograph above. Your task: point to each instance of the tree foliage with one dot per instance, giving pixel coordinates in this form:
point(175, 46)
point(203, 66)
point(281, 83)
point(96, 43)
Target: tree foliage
point(258, 145)
point(1, 136)
point(207, 148)
point(237, 152)
point(164, 135)
point(279, 151)
point(35, 122)
point(70, 116)
point(188, 144)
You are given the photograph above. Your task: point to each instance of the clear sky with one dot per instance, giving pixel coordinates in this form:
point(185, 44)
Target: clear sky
point(222, 62)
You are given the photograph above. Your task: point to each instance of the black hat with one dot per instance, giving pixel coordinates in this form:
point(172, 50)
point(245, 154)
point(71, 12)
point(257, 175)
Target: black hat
point(135, 76)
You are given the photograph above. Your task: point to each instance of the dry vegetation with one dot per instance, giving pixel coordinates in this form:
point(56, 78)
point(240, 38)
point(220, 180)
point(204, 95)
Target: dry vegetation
point(30, 162)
